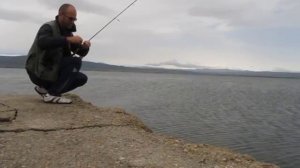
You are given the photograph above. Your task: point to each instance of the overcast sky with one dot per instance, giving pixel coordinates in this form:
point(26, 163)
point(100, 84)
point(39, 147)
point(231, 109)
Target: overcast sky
point(235, 34)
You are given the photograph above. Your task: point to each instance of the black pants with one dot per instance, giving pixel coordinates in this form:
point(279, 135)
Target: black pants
point(69, 77)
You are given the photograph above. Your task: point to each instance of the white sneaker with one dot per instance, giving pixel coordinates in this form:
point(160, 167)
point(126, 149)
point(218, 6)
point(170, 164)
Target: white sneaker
point(56, 99)
point(40, 90)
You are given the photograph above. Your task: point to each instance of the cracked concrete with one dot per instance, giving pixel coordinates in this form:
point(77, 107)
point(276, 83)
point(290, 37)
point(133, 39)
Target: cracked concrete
point(7, 114)
point(82, 135)
point(35, 115)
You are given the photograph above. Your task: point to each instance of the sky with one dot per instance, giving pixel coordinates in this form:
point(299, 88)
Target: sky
point(231, 34)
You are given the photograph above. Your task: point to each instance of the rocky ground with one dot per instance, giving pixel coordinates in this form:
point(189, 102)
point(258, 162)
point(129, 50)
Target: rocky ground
point(80, 135)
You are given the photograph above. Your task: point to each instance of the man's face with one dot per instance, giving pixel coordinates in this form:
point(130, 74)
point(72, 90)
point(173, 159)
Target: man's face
point(69, 17)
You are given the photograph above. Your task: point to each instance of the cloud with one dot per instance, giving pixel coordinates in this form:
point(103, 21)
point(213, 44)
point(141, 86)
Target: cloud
point(17, 16)
point(85, 6)
point(11, 15)
point(243, 13)
point(176, 64)
point(214, 33)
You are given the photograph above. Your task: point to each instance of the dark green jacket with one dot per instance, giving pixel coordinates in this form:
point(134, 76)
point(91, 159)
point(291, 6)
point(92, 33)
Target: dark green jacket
point(47, 50)
point(43, 63)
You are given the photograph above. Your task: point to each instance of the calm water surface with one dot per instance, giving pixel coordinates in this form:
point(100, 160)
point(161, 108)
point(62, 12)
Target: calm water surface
point(257, 116)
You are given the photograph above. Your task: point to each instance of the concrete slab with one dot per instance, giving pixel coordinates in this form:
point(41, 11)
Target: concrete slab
point(82, 135)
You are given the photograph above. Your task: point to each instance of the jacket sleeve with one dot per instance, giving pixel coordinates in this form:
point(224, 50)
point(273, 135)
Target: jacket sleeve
point(46, 40)
point(79, 50)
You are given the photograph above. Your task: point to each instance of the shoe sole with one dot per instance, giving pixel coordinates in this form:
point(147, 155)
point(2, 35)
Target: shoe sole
point(57, 101)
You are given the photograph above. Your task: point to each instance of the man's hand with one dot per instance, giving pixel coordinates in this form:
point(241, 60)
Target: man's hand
point(86, 44)
point(74, 39)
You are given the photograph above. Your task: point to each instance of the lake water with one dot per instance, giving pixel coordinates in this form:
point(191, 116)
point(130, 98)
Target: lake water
point(256, 116)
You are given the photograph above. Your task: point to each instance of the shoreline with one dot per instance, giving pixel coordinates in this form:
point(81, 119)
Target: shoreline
point(36, 134)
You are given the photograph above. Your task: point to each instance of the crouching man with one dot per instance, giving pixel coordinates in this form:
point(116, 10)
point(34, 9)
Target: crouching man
point(50, 63)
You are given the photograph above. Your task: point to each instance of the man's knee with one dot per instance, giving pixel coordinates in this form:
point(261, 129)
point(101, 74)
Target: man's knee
point(82, 79)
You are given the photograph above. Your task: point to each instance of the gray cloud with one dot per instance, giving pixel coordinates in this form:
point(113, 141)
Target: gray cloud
point(15, 15)
point(85, 6)
point(241, 13)
point(177, 64)
point(243, 34)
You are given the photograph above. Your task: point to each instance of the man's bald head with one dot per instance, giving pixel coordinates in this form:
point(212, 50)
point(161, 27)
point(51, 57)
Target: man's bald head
point(63, 8)
point(67, 15)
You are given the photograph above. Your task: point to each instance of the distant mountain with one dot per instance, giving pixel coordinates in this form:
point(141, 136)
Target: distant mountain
point(12, 61)
point(19, 62)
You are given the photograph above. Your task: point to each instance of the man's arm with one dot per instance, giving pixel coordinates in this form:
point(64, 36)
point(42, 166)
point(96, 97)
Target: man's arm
point(46, 40)
point(80, 49)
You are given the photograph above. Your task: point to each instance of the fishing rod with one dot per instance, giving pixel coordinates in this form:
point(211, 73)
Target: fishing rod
point(74, 53)
point(112, 20)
